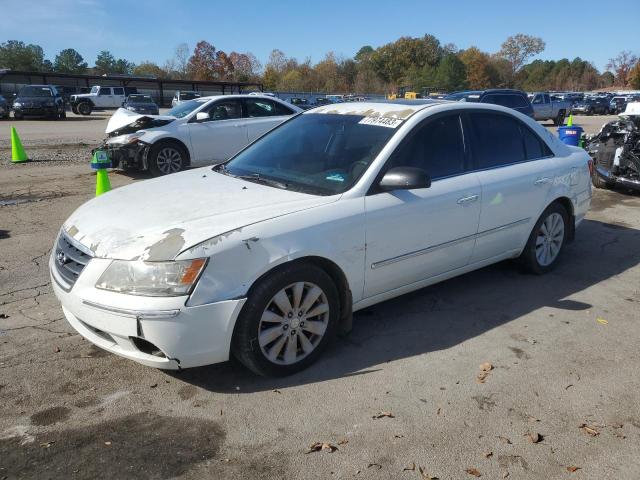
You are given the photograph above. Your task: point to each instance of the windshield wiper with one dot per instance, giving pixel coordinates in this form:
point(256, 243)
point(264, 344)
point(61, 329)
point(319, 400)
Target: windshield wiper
point(255, 177)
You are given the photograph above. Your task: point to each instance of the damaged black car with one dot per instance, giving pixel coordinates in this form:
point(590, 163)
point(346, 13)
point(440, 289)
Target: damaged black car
point(616, 153)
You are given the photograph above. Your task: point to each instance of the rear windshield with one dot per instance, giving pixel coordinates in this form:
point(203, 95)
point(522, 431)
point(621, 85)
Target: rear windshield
point(140, 99)
point(35, 92)
point(189, 95)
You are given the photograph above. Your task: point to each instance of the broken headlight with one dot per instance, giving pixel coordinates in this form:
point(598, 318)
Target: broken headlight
point(152, 279)
point(125, 139)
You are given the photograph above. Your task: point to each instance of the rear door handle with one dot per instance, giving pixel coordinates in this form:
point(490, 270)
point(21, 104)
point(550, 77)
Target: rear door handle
point(469, 199)
point(542, 181)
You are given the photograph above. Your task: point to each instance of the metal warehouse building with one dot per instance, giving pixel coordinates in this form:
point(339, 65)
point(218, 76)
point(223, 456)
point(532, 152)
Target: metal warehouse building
point(162, 90)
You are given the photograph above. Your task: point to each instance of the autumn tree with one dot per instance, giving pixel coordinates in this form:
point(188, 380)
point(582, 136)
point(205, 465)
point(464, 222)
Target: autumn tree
point(149, 69)
point(202, 63)
point(517, 49)
point(634, 77)
point(480, 71)
point(69, 61)
point(621, 67)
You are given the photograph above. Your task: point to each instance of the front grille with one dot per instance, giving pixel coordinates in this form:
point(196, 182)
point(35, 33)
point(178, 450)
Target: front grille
point(69, 260)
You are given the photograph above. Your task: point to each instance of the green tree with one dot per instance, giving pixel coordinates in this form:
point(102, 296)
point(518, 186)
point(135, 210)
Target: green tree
point(451, 73)
point(16, 55)
point(69, 61)
point(105, 62)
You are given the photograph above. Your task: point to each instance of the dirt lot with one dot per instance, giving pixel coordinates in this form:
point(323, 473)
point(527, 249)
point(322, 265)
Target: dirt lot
point(564, 350)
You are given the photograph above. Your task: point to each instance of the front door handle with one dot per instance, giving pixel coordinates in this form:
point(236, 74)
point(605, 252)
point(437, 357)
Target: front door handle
point(469, 199)
point(542, 181)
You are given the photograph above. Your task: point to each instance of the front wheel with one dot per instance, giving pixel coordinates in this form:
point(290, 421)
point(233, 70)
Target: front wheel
point(165, 158)
point(84, 108)
point(559, 120)
point(547, 240)
point(288, 319)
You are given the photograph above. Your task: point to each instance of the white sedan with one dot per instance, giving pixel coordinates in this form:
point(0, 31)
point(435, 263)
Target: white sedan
point(266, 256)
point(202, 131)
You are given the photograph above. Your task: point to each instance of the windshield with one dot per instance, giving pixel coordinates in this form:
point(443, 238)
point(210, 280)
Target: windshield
point(35, 92)
point(139, 99)
point(321, 154)
point(189, 95)
point(94, 89)
point(185, 108)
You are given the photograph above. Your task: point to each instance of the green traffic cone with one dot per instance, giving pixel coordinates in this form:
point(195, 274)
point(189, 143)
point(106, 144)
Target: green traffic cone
point(18, 155)
point(102, 182)
point(570, 121)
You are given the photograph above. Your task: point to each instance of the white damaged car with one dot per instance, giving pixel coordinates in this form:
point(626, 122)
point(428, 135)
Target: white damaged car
point(266, 256)
point(202, 131)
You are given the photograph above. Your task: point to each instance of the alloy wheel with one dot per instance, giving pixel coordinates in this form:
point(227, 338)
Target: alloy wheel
point(549, 239)
point(293, 323)
point(169, 160)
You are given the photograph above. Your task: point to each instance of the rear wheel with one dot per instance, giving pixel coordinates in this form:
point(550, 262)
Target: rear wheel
point(559, 120)
point(288, 319)
point(74, 109)
point(165, 158)
point(547, 240)
point(17, 116)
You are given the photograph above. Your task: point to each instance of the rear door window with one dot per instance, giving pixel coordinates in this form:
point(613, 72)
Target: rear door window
point(118, 91)
point(497, 140)
point(261, 108)
point(105, 91)
point(436, 146)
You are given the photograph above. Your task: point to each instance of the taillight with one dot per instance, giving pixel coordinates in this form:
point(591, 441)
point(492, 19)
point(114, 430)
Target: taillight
point(590, 163)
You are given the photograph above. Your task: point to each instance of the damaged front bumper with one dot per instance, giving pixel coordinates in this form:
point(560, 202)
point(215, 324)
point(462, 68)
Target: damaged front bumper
point(130, 156)
point(612, 179)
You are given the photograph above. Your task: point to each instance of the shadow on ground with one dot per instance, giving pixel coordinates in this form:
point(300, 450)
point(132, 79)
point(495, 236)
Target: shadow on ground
point(446, 314)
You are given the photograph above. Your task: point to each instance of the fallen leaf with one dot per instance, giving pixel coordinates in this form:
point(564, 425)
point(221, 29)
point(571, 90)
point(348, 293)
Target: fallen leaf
point(534, 437)
point(505, 474)
point(589, 430)
point(474, 472)
point(573, 468)
point(531, 418)
point(377, 465)
point(56, 350)
point(277, 391)
point(411, 468)
point(439, 411)
point(425, 475)
point(398, 436)
point(505, 440)
point(487, 454)
point(46, 444)
point(568, 386)
point(344, 441)
point(486, 367)
point(153, 386)
point(383, 415)
point(602, 321)
point(318, 446)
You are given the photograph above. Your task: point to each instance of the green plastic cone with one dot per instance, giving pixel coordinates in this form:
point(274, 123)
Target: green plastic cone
point(18, 155)
point(570, 121)
point(102, 182)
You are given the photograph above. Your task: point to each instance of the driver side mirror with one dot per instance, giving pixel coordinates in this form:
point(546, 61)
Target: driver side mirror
point(202, 117)
point(404, 178)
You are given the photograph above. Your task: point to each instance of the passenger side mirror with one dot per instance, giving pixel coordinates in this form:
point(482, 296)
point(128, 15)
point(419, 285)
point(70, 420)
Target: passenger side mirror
point(202, 117)
point(404, 178)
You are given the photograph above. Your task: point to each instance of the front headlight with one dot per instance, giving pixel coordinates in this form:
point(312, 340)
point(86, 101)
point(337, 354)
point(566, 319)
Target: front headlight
point(133, 109)
point(125, 139)
point(152, 279)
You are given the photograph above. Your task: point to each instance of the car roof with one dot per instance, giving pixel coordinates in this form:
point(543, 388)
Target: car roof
point(401, 109)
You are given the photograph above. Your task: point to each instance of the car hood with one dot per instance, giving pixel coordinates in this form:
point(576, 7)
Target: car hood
point(159, 218)
point(34, 99)
point(126, 118)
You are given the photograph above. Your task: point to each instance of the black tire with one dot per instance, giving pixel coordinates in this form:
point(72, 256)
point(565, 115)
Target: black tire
point(245, 345)
point(18, 116)
point(161, 150)
point(600, 182)
point(63, 115)
point(590, 111)
point(528, 258)
point(559, 120)
point(84, 108)
point(74, 109)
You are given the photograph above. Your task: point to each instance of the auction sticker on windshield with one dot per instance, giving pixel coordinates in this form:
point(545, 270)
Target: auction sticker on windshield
point(381, 121)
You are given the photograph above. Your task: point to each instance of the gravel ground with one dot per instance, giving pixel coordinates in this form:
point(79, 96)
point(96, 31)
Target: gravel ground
point(563, 350)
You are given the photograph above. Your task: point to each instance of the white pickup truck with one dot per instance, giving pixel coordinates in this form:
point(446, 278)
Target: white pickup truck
point(545, 108)
point(100, 98)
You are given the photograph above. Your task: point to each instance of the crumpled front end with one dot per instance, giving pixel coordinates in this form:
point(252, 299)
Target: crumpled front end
point(126, 156)
point(616, 152)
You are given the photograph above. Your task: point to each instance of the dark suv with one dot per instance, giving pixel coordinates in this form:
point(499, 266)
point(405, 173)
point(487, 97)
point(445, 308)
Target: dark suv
point(592, 106)
point(515, 99)
point(39, 100)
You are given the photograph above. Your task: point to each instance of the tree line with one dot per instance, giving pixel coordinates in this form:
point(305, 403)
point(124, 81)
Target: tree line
point(417, 62)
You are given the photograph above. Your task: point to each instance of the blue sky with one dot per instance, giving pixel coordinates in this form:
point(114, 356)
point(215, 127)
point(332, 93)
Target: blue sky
point(149, 30)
